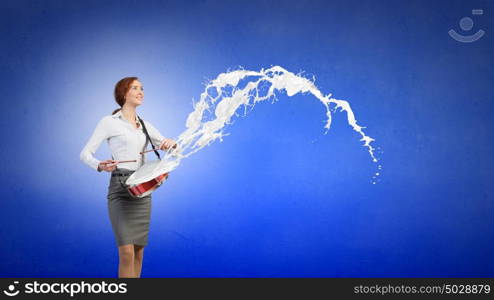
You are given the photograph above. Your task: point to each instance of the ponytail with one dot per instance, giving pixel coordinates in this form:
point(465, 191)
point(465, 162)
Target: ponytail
point(116, 110)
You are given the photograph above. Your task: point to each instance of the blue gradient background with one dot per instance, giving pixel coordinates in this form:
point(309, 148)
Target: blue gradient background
point(276, 198)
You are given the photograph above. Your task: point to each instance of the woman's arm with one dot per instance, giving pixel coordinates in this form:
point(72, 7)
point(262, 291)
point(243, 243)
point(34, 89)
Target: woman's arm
point(154, 134)
point(159, 141)
point(98, 136)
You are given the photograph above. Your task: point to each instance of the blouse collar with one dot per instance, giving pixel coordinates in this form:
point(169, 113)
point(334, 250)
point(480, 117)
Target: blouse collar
point(119, 115)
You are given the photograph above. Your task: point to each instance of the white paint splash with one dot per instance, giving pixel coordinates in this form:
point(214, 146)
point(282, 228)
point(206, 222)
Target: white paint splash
point(224, 96)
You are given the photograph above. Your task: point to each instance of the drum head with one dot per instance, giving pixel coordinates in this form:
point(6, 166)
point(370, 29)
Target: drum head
point(145, 173)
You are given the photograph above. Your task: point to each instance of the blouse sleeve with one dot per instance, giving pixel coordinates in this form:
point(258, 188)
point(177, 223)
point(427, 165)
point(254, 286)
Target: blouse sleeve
point(154, 134)
point(99, 135)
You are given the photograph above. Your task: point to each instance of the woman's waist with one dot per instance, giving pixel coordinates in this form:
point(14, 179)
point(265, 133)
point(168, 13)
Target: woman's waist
point(122, 172)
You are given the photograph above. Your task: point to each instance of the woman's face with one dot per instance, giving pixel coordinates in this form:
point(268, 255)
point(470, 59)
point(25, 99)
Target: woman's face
point(135, 95)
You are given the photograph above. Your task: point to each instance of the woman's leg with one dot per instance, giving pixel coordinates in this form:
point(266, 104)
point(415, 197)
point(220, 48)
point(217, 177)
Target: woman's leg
point(138, 256)
point(126, 261)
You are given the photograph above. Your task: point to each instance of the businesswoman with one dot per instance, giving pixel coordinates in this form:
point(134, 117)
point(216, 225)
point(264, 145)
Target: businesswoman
point(126, 137)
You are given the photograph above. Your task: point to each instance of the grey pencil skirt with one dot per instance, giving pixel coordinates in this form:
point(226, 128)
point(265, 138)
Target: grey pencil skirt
point(129, 216)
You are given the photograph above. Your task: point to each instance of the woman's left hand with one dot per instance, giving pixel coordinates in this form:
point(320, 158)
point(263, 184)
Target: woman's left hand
point(167, 144)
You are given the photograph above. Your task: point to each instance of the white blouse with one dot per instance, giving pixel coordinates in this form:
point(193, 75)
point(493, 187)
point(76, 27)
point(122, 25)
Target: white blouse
point(125, 141)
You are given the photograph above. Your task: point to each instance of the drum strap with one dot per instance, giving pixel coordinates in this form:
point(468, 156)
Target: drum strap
point(147, 136)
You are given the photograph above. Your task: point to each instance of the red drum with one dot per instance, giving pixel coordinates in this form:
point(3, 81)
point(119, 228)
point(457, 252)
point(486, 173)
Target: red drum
point(145, 180)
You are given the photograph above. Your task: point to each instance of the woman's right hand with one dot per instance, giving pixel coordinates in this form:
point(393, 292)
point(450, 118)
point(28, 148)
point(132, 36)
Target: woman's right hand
point(107, 165)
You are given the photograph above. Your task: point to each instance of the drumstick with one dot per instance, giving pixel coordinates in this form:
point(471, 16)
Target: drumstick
point(175, 146)
point(124, 161)
point(148, 151)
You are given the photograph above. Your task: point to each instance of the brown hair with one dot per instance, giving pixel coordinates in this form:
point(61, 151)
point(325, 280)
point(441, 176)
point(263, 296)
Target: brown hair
point(121, 89)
